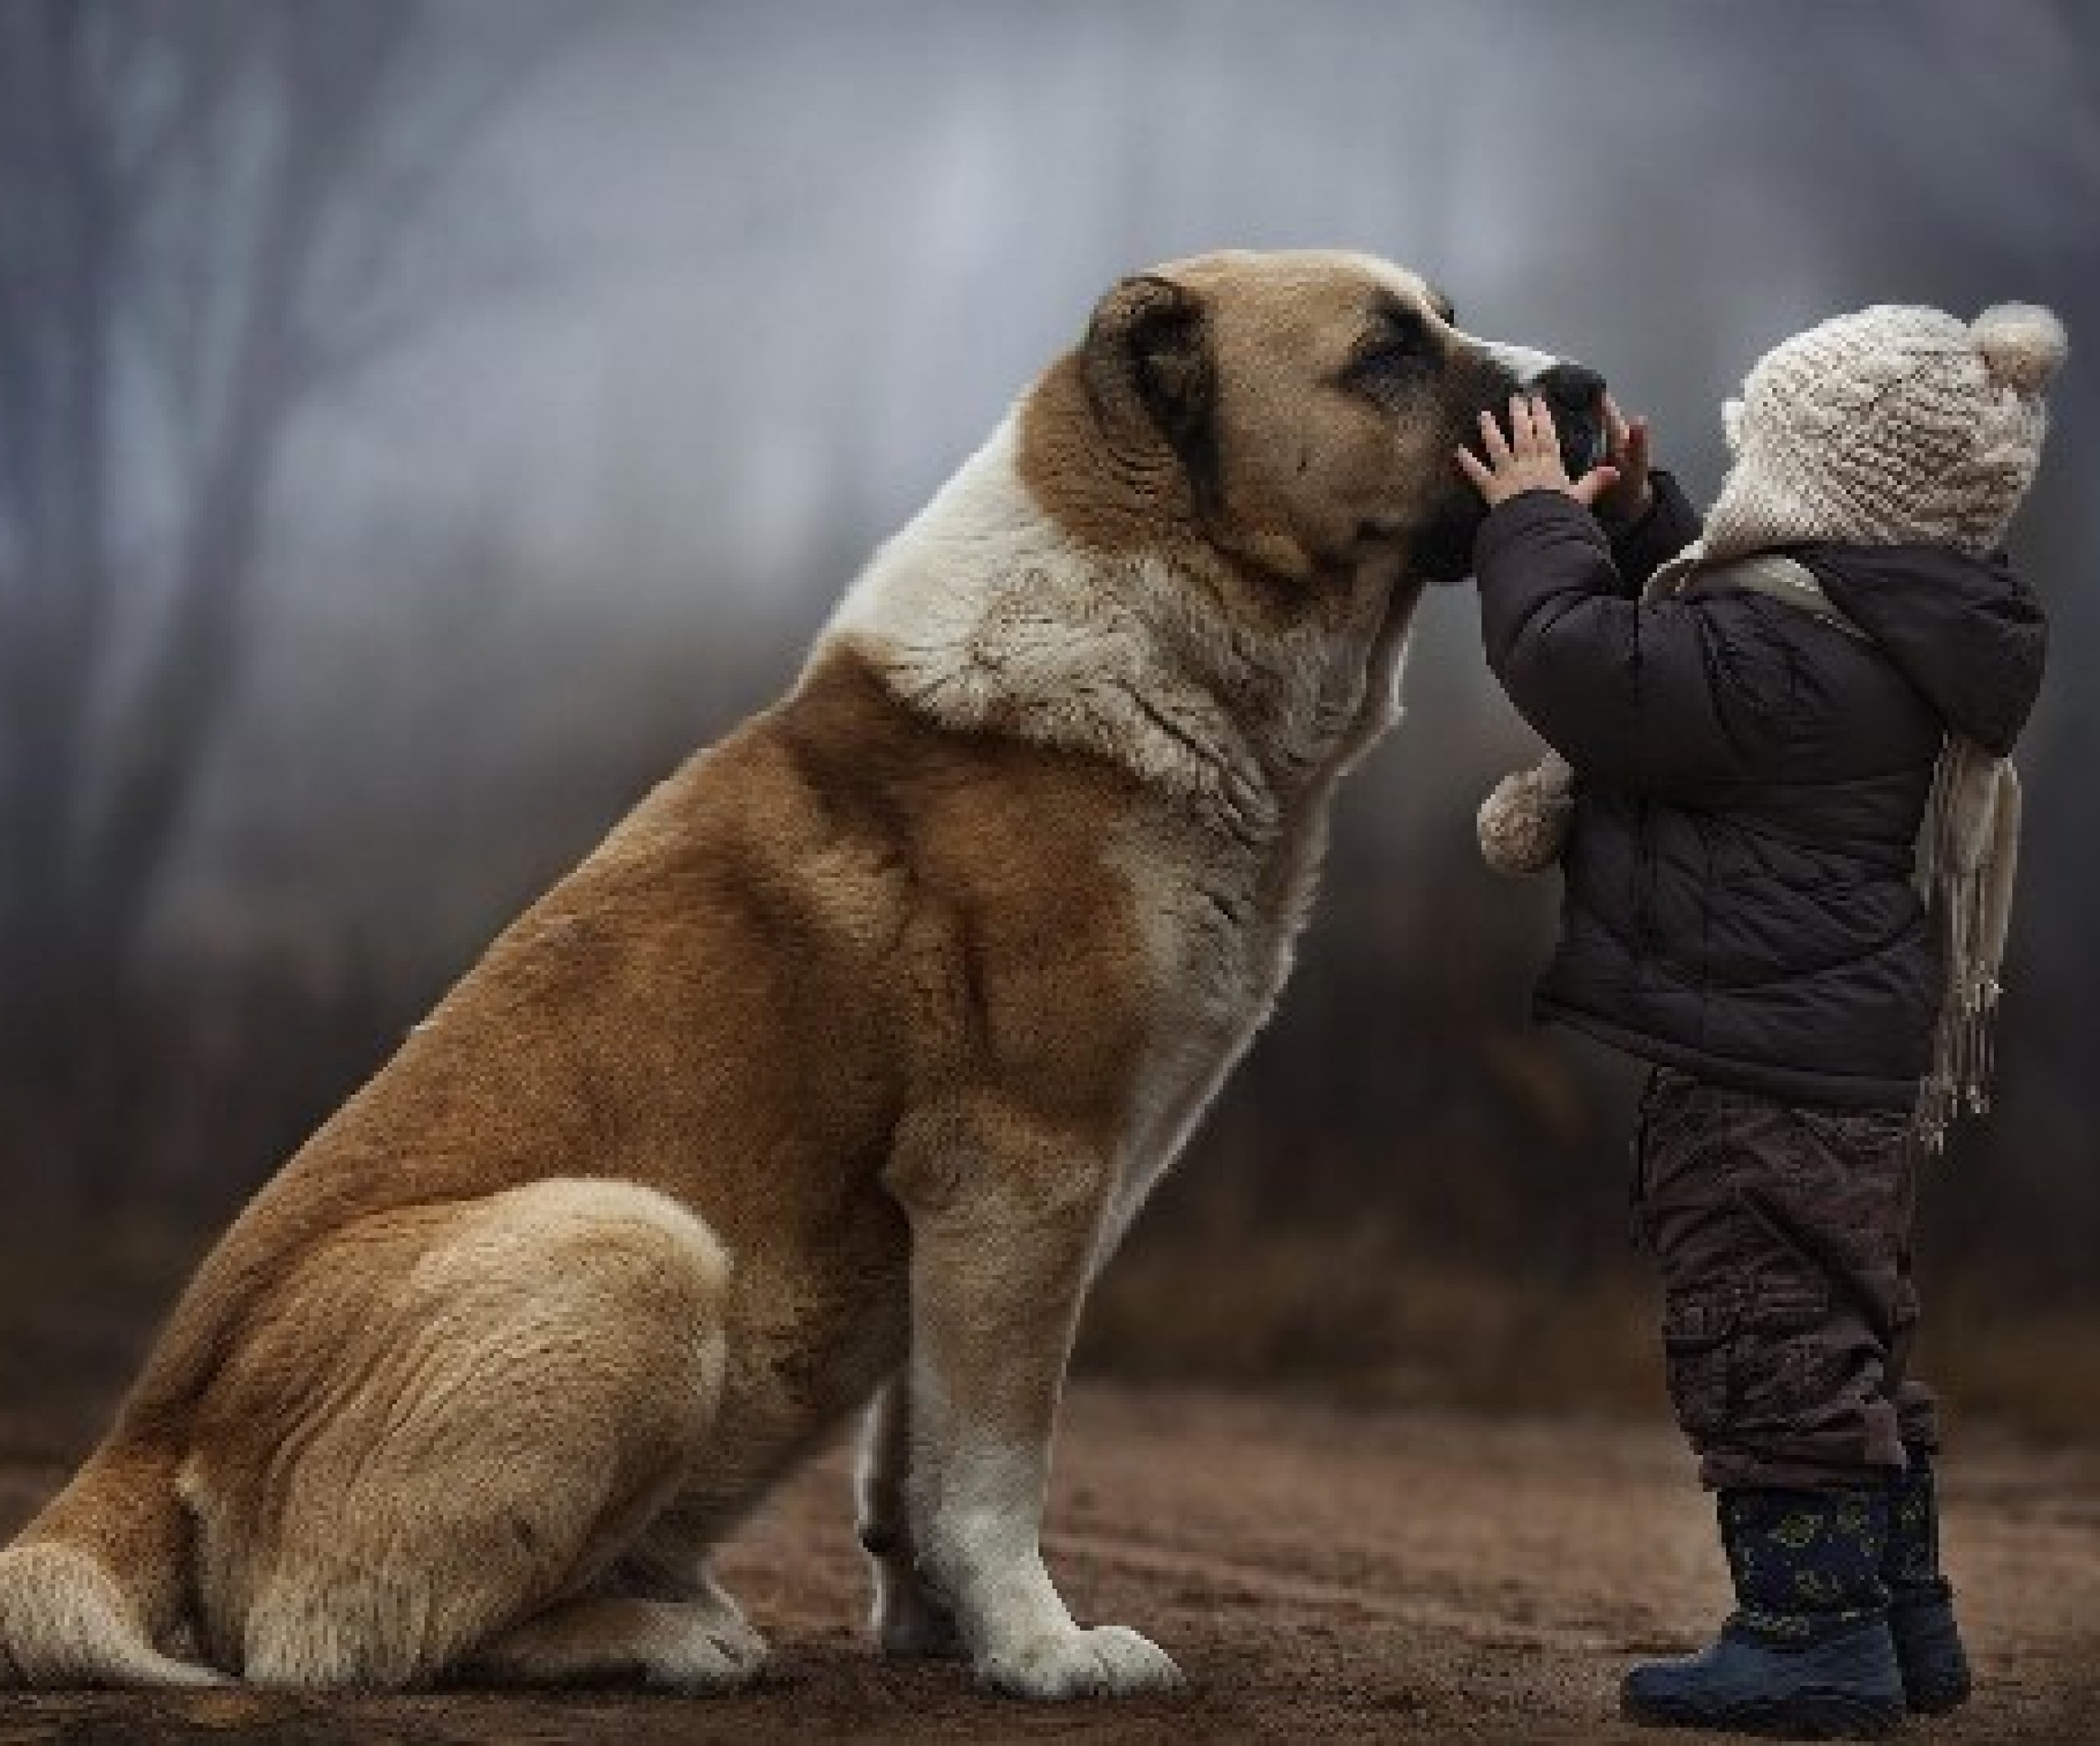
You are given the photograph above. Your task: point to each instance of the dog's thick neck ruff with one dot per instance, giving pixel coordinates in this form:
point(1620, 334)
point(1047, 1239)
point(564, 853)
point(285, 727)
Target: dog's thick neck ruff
point(985, 614)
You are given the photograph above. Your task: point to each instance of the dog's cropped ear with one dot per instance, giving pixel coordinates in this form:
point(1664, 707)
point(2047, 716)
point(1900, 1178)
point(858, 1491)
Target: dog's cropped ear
point(1149, 374)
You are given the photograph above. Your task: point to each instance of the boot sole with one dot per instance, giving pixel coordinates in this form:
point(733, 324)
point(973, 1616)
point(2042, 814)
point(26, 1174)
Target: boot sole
point(1810, 1715)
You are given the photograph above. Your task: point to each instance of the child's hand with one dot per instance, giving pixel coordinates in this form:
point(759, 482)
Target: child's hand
point(1627, 444)
point(1530, 460)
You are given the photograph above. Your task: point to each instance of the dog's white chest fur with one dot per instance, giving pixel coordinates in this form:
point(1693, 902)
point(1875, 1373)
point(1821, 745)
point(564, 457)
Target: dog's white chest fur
point(984, 611)
point(1218, 954)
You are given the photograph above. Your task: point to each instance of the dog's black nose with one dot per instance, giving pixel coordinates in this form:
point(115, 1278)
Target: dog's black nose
point(1571, 388)
point(1575, 394)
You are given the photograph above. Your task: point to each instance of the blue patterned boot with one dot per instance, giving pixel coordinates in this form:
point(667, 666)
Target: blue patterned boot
point(1807, 1653)
point(1921, 1604)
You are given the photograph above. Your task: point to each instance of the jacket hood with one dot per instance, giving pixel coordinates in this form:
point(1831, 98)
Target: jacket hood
point(1965, 631)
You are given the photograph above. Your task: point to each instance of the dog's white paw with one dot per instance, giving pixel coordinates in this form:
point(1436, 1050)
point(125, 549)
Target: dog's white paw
point(713, 1662)
point(741, 1647)
point(1109, 1661)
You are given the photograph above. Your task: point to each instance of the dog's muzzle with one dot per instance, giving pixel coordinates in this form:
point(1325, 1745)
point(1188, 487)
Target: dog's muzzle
point(1443, 551)
point(1574, 393)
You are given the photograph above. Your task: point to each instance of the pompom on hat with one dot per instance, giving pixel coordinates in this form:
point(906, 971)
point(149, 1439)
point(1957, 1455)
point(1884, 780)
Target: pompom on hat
point(1894, 425)
point(2023, 344)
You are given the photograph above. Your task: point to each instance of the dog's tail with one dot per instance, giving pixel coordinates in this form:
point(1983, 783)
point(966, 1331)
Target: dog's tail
point(97, 1578)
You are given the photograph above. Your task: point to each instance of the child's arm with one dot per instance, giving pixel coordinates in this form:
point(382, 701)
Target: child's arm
point(1644, 545)
point(1631, 695)
point(1648, 517)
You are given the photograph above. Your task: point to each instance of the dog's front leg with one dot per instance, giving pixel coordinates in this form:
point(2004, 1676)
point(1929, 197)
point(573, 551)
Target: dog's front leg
point(910, 1621)
point(1005, 1207)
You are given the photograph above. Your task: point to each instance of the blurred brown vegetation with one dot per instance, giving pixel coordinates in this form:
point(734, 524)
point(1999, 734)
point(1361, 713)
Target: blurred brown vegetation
point(281, 747)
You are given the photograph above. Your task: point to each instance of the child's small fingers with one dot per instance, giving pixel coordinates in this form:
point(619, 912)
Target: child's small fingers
point(1492, 440)
point(1637, 445)
point(1546, 437)
point(1474, 469)
point(1618, 435)
point(1593, 484)
point(1520, 420)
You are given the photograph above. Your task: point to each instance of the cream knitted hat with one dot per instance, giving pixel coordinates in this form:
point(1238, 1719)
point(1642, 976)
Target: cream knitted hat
point(1891, 426)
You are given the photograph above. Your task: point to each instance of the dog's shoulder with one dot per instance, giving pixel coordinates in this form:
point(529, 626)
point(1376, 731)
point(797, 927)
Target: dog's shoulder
point(988, 614)
point(983, 820)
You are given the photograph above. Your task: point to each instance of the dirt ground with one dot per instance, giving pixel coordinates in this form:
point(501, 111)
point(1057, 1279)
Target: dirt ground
point(1320, 1573)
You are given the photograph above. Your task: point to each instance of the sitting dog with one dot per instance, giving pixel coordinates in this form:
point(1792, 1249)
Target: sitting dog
point(830, 1080)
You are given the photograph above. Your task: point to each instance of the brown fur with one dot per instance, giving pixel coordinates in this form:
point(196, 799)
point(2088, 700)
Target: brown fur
point(837, 1069)
point(837, 915)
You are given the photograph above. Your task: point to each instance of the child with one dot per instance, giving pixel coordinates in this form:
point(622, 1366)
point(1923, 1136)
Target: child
point(1752, 736)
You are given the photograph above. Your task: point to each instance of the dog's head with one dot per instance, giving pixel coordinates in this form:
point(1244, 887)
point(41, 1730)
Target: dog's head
point(1308, 406)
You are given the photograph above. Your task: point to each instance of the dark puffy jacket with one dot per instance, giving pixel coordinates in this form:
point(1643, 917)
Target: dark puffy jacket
point(1749, 782)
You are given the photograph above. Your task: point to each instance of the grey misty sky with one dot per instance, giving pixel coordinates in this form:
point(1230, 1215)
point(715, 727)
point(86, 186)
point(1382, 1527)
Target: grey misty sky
point(777, 266)
point(787, 263)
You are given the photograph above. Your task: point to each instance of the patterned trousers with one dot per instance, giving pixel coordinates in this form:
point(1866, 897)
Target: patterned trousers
point(1782, 1234)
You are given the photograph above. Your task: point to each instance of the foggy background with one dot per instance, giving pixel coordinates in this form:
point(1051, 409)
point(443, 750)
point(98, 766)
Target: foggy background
point(423, 423)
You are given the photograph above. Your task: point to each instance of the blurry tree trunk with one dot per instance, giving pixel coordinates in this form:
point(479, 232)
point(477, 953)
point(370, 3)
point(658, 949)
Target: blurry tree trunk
point(199, 205)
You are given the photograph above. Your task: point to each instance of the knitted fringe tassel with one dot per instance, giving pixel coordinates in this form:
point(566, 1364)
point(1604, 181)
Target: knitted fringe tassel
point(1968, 856)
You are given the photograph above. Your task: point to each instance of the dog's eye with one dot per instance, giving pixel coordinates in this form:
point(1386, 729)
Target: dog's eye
point(1398, 352)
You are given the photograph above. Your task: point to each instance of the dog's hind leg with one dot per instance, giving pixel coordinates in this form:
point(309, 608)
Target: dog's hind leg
point(513, 1388)
point(657, 1617)
point(703, 1645)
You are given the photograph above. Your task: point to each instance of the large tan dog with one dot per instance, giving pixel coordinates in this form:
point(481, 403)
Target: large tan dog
point(835, 1073)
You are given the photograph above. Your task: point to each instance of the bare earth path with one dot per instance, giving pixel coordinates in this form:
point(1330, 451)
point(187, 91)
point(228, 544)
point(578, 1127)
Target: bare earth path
point(1320, 1574)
